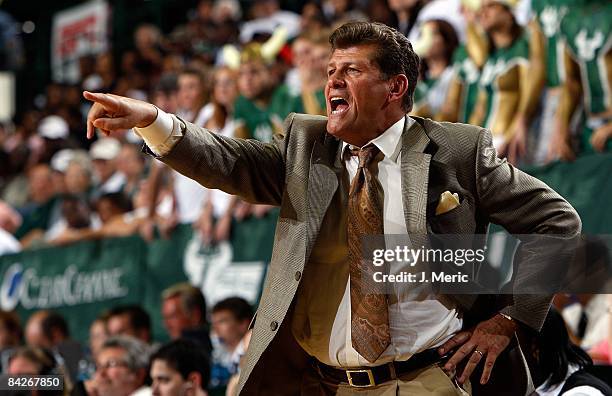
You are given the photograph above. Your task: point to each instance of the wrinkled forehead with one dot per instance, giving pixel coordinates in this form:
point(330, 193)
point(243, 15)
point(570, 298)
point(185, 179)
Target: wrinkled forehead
point(359, 54)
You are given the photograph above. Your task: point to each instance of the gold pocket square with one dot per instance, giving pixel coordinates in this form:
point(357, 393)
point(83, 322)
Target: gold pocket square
point(447, 202)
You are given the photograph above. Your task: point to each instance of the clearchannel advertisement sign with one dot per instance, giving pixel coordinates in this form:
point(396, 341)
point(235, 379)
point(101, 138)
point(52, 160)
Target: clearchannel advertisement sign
point(25, 287)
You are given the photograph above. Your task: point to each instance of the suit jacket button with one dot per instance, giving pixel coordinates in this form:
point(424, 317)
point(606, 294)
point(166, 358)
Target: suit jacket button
point(274, 325)
point(298, 275)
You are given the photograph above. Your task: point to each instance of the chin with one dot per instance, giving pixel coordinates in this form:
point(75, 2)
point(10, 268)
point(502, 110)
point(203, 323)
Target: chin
point(335, 131)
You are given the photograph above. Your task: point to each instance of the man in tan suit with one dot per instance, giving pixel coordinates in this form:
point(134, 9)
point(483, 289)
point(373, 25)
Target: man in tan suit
point(365, 167)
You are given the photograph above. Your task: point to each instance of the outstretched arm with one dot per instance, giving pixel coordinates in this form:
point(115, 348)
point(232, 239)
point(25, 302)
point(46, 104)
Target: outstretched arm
point(250, 169)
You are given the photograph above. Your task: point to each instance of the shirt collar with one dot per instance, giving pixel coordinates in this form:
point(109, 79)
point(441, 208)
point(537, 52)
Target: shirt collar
point(389, 142)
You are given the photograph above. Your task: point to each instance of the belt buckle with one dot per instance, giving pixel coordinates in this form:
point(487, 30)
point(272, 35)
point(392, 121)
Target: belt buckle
point(349, 376)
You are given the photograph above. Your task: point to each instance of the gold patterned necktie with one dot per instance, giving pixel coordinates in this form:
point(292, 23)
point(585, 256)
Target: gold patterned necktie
point(369, 305)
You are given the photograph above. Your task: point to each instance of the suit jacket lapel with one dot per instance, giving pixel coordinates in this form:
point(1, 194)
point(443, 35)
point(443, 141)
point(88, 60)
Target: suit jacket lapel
point(415, 177)
point(325, 169)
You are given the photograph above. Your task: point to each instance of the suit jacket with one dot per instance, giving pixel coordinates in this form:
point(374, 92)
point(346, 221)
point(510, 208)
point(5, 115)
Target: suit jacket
point(300, 172)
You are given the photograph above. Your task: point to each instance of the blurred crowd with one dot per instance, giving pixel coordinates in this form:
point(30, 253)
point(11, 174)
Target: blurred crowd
point(208, 344)
point(538, 74)
point(120, 358)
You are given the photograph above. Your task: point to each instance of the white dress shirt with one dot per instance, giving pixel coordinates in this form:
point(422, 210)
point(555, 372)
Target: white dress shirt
point(416, 324)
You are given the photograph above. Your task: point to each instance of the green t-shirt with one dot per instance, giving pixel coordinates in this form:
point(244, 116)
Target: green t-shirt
point(587, 32)
point(468, 75)
point(262, 123)
point(548, 15)
point(500, 62)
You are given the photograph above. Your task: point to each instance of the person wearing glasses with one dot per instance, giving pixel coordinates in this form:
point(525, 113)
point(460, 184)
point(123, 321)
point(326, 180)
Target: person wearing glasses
point(121, 368)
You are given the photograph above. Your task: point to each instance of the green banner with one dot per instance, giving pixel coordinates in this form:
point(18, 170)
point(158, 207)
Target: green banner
point(587, 184)
point(80, 281)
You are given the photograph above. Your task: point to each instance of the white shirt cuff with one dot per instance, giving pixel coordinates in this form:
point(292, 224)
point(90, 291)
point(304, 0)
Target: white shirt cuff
point(157, 136)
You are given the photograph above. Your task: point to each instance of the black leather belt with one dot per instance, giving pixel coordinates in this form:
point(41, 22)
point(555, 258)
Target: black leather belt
point(363, 377)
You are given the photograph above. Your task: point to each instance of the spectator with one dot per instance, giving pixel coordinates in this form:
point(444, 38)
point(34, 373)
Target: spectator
point(105, 78)
point(15, 192)
point(121, 368)
point(165, 92)
point(130, 320)
point(447, 10)
point(560, 367)
point(218, 115)
point(267, 17)
point(180, 368)
point(436, 46)
point(78, 177)
point(192, 95)
point(148, 61)
point(262, 104)
point(308, 77)
point(184, 314)
point(232, 386)
point(338, 12)
point(98, 334)
point(112, 206)
point(40, 185)
point(10, 220)
point(10, 337)
point(131, 163)
point(75, 223)
point(467, 61)
point(43, 209)
point(104, 154)
point(312, 18)
point(37, 361)
point(406, 12)
point(59, 164)
point(188, 196)
point(502, 110)
point(49, 330)
point(230, 322)
point(585, 31)
point(53, 132)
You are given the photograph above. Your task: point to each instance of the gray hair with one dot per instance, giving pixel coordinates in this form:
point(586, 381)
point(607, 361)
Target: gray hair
point(137, 351)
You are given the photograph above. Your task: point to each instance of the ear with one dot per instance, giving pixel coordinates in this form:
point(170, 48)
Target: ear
point(398, 87)
point(196, 379)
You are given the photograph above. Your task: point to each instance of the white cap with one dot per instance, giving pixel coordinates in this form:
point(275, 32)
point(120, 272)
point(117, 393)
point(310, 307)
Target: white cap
point(53, 127)
point(105, 149)
point(61, 160)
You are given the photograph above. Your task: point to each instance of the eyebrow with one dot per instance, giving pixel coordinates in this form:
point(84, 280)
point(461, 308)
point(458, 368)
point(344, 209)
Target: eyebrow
point(357, 62)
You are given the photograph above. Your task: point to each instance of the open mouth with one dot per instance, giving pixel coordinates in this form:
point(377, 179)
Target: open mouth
point(338, 105)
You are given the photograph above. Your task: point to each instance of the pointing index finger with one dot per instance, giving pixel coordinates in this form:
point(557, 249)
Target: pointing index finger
point(107, 101)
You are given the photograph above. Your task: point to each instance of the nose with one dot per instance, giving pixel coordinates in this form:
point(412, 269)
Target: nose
point(335, 81)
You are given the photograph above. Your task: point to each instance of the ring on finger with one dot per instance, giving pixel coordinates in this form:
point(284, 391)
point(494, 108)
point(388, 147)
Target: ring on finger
point(479, 352)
